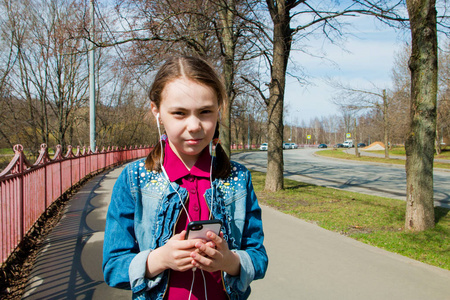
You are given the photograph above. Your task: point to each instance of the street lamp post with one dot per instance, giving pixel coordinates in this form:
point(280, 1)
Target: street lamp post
point(92, 81)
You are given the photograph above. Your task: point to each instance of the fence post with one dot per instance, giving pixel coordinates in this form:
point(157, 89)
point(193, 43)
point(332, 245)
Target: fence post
point(19, 148)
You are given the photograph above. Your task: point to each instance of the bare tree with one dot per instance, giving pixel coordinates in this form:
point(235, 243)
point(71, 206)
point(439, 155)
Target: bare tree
point(278, 57)
point(401, 96)
point(18, 108)
point(315, 17)
point(49, 77)
point(7, 60)
point(443, 104)
point(213, 30)
point(358, 100)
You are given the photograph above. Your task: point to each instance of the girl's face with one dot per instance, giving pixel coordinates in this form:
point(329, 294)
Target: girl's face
point(189, 112)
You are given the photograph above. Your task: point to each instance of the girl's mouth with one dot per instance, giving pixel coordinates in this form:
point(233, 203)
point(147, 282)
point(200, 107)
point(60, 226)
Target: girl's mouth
point(193, 142)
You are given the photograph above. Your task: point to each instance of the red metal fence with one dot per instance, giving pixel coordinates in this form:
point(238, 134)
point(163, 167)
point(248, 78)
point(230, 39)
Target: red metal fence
point(26, 190)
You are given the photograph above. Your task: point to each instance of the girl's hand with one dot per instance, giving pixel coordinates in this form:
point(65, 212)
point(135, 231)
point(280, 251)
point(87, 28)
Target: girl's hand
point(215, 255)
point(175, 255)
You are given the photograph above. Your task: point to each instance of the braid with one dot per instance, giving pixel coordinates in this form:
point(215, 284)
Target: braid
point(222, 168)
point(153, 161)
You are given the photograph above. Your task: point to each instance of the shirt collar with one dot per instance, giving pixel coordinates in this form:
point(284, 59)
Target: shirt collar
point(176, 169)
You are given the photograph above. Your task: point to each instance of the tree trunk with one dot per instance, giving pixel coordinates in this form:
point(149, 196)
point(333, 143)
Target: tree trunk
point(355, 138)
point(226, 15)
point(386, 125)
point(282, 39)
point(225, 129)
point(420, 139)
point(275, 164)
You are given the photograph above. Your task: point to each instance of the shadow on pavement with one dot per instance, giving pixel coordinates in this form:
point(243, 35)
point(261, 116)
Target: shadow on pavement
point(69, 263)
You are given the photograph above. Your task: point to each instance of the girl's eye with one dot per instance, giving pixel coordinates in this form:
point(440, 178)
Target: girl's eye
point(178, 113)
point(206, 111)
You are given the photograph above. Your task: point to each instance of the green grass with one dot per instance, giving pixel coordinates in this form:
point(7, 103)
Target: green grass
point(373, 220)
point(7, 154)
point(6, 151)
point(445, 154)
point(395, 151)
point(339, 153)
point(400, 151)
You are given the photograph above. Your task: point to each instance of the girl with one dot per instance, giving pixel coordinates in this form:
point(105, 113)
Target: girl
point(154, 199)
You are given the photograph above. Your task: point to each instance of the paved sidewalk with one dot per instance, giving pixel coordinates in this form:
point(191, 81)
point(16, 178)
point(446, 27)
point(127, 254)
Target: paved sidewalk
point(69, 266)
point(305, 261)
point(309, 262)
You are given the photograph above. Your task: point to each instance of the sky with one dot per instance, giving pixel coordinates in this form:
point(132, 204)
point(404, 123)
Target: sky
point(364, 59)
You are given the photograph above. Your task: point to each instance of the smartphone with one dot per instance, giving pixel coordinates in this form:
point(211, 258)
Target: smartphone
point(198, 229)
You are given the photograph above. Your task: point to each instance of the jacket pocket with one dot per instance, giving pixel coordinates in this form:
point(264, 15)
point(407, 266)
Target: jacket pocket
point(234, 197)
point(146, 219)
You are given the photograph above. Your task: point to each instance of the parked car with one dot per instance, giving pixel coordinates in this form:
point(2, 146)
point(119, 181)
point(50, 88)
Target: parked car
point(361, 145)
point(264, 147)
point(323, 146)
point(348, 144)
point(294, 146)
point(286, 145)
point(339, 146)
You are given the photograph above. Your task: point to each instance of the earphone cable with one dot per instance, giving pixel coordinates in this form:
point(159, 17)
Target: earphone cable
point(211, 181)
point(204, 285)
point(192, 284)
point(164, 170)
point(181, 201)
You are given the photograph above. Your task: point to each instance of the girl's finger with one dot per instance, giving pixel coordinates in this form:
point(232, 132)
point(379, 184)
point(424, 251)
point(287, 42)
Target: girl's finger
point(218, 240)
point(206, 250)
point(188, 244)
point(200, 261)
point(211, 244)
point(182, 235)
point(214, 237)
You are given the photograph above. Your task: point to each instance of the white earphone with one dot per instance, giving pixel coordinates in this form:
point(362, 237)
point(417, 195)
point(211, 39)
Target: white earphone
point(181, 201)
point(157, 121)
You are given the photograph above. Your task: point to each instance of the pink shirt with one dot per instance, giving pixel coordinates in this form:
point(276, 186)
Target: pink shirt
point(196, 181)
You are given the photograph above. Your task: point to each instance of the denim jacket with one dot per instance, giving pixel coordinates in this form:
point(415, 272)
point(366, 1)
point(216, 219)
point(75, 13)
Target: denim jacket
point(142, 216)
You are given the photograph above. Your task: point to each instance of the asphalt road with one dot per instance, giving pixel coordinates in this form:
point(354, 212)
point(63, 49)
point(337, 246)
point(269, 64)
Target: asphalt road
point(385, 180)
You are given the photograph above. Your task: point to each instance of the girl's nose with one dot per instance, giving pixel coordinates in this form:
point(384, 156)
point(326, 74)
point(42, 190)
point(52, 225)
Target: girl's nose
point(194, 124)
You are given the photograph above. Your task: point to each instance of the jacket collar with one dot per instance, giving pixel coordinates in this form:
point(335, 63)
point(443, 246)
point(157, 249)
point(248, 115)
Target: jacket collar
point(176, 169)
